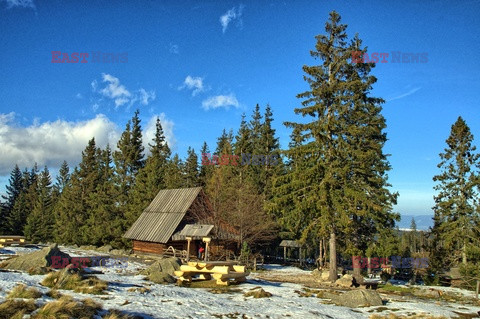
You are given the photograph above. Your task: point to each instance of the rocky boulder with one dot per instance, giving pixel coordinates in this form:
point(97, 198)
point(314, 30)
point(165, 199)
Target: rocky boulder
point(105, 249)
point(162, 270)
point(346, 281)
point(358, 298)
point(427, 293)
point(35, 262)
point(321, 275)
point(257, 293)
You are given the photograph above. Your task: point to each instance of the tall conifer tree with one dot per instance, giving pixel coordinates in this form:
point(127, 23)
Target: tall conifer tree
point(456, 202)
point(343, 173)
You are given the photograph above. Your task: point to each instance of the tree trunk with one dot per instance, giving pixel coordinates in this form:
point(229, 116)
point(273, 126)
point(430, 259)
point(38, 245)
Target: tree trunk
point(333, 256)
point(369, 265)
point(464, 253)
point(320, 257)
point(357, 271)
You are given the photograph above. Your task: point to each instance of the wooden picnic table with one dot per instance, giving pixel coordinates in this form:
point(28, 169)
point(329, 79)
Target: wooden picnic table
point(223, 271)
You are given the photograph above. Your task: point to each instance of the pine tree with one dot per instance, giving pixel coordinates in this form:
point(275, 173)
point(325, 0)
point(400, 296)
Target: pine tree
point(13, 190)
point(74, 207)
point(151, 178)
point(129, 158)
point(62, 178)
point(457, 187)
point(174, 177)
point(206, 170)
point(191, 169)
point(342, 179)
point(270, 146)
point(40, 222)
point(24, 203)
point(413, 236)
point(243, 139)
point(105, 220)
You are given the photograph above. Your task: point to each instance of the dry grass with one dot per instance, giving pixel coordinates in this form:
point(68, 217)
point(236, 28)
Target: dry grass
point(395, 316)
point(21, 291)
point(141, 290)
point(15, 309)
point(116, 314)
point(66, 307)
point(74, 281)
point(53, 293)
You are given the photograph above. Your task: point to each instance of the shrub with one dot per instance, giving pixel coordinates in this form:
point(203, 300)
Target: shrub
point(21, 291)
point(16, 308)
point(66, 307)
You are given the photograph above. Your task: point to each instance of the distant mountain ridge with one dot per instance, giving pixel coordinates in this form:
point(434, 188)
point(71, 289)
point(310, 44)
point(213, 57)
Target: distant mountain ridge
point(423, 221)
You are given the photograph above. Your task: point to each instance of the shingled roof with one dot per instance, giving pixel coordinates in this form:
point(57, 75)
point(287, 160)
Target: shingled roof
point(160, 219)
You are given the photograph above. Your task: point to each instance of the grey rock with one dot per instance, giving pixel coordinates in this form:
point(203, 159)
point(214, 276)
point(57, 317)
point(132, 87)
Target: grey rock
point(162, 271)
point(358, 298)
point(36, 260)
point(346, 281)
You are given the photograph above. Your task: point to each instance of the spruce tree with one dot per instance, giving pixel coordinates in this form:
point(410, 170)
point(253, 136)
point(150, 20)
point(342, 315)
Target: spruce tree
point(191, 169)
point(457, 187)
point(206, 169)
point(24, 203)
point(151, 178)
point(13, 190)
point(343, 177)
point(174, 177)
point(40, 222)
point(74, 207)
point(62, 178)
point(104, 223)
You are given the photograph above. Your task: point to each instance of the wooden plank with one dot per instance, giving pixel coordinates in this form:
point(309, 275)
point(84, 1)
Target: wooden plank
point(222, 282)
point(239, 268)
point(232, 275)
point(216, 269)
point(211, 263)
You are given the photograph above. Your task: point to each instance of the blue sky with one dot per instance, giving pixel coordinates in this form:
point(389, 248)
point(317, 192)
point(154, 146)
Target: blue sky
point(200, 65)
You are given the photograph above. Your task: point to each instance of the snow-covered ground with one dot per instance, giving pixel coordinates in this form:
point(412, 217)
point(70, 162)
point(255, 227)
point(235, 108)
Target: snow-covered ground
point(170, 301)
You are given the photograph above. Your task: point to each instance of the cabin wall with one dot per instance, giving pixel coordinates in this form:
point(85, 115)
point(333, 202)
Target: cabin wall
point(156, 248)
point(148, 247)
point(217, 249)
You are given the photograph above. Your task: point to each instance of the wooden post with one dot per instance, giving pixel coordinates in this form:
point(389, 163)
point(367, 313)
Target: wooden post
point(478, 287)
point(188, 247)
point(206, 240)
point(285, 254)
point(255, 264)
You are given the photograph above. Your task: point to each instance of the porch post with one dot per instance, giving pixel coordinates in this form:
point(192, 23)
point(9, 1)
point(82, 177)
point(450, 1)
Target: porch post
point(188, 247)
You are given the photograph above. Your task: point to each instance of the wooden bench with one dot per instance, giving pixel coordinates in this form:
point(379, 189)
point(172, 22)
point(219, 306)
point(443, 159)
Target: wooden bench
point(224, 272)
point(12, 241)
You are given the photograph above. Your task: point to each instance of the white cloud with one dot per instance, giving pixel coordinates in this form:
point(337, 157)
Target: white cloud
point(20, 3)
point(401, 96)
point(120, 94)
point(232, 14)
point(50, 143)
point(146, 97)
point(115, 90)
point(94, 85)
point(193, 83)
point(217, 101)
point(174, 48)
point(79, 96)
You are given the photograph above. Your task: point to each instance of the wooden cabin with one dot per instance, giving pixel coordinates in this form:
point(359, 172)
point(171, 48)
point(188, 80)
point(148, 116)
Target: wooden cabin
point(176, 215)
